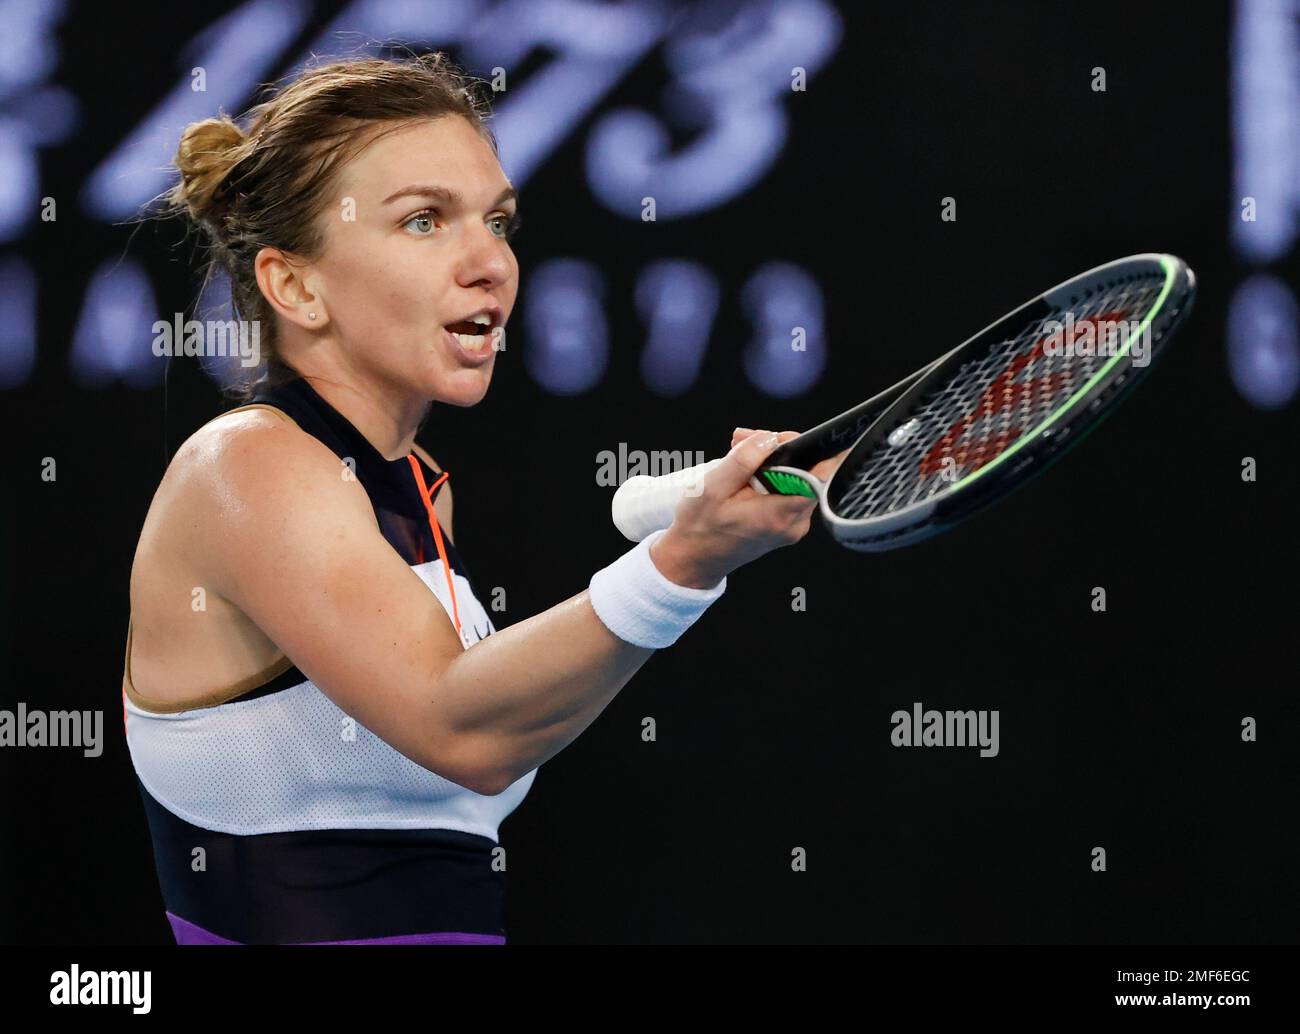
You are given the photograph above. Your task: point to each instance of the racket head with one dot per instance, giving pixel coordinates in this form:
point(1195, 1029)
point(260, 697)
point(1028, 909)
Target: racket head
point(1006, 404)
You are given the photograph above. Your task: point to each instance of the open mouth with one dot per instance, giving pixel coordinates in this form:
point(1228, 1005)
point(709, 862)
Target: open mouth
point(471, 336)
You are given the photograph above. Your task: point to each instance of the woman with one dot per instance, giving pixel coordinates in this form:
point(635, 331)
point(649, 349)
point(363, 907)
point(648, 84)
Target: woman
point(321, 756)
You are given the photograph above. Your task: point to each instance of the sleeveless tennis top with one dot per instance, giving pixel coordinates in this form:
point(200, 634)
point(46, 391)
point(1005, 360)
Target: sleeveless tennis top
point(277, 818)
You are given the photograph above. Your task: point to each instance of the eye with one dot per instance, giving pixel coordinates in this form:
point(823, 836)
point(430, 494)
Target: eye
point(511, 227)
point(422, 223)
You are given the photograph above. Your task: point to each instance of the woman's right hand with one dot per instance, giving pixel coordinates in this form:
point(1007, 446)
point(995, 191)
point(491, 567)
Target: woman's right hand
point(728, 524)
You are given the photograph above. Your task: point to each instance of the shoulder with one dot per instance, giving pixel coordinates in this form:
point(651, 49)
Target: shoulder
point(243, 486)
point(251, 445)
point(248, 472)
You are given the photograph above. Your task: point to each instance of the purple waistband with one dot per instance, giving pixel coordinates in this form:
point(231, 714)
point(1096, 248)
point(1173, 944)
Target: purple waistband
point(189, 933)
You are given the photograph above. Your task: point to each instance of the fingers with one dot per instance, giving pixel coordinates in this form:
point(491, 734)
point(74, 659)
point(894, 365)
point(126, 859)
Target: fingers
point(741, 433)
point(739, 523)
point(744, 458)
point(790, 516)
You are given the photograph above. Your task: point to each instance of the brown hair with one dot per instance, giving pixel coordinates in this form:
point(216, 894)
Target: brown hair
point(266, 184)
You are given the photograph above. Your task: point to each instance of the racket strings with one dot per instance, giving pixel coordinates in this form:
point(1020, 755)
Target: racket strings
point(989, 403)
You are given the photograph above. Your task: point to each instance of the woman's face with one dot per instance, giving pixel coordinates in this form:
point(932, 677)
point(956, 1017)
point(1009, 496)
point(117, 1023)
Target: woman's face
point(418, 242)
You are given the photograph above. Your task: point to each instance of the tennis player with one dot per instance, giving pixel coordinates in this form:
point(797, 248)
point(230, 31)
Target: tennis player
point(326, 727)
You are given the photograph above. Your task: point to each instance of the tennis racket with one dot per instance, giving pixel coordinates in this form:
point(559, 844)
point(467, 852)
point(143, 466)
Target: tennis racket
point(964, 431)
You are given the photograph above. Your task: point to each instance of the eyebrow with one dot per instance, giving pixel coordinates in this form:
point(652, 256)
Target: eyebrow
point(446, 194)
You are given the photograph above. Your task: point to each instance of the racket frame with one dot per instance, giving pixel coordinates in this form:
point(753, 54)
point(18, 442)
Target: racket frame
point(1039, 448)
point(644, 503)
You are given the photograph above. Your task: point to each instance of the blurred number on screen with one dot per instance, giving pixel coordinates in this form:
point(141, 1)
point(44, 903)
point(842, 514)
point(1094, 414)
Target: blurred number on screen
point(678, 302)
point(1266, 126)
point(1263, 318)
point(360, 28)
point(731, 66)
point(593, 47)
point(567, 337)
point(1263, 351)
point(114, 335)
point(237, 52)
point(33, 114)
point(780, 359)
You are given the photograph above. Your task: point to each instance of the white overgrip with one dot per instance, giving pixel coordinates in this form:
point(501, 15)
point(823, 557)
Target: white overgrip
point(644, 504)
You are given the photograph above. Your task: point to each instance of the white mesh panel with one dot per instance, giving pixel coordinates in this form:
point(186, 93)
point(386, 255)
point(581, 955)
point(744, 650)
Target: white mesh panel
point(279, 762)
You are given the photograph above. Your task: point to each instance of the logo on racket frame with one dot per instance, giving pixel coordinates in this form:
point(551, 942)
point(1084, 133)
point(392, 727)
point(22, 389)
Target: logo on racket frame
point(1005, 393)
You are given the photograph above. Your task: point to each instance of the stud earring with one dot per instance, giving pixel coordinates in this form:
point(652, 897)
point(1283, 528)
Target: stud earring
point(311, 315)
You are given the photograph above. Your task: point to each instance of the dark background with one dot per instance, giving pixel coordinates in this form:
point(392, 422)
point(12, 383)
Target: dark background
point(1120, 730)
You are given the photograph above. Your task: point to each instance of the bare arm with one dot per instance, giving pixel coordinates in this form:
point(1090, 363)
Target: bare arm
point(539, 733)
point(525, 693)
point(294, 545)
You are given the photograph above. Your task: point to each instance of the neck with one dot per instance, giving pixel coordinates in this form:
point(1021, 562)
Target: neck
point(386, 413)
point(387, 419)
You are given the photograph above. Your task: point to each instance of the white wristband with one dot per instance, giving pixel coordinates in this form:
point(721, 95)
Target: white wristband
point(642, 607)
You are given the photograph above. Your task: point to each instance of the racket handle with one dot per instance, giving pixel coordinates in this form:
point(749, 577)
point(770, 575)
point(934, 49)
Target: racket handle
point(644, 504)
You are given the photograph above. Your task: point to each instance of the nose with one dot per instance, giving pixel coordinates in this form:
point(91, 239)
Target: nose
point(485, 260)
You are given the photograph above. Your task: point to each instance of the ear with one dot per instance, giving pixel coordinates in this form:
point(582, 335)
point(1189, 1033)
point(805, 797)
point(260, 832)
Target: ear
point(288, 285)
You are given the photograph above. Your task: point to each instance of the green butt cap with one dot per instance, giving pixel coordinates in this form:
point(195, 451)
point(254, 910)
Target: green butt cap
point(787, 484)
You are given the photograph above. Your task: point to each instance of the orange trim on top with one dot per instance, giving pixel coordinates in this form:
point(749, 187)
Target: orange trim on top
point(426, 493)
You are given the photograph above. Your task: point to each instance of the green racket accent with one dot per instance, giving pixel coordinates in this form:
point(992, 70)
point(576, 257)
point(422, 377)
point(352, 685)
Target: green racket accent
point(788, 484)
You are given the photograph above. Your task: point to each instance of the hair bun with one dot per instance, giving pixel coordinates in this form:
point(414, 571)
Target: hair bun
point(208, 151)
